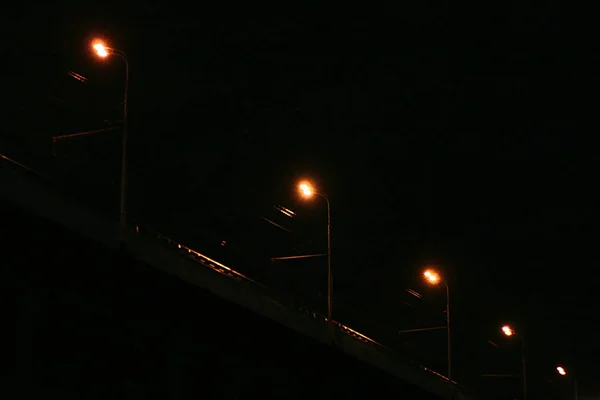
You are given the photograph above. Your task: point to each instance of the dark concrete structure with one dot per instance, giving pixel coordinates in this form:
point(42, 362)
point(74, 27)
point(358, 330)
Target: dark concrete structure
point(91, 323)
point(163, 321)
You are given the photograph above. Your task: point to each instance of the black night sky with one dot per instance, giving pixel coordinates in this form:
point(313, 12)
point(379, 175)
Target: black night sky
point(453, 137)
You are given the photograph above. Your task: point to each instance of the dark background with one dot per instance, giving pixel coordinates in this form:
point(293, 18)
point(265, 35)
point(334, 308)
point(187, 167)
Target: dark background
point(459, 137)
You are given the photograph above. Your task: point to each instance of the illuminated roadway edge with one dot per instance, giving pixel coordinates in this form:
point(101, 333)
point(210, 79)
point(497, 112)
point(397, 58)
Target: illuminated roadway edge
point(26, 188)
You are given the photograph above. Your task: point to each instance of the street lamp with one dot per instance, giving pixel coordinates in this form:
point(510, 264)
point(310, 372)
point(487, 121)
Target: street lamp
point(104, 51)
point(308, 191)
point(434, 278)
point(563, 372)
point(508, 331)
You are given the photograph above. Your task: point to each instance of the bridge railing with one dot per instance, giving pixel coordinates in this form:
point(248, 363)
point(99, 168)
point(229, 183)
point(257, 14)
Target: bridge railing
point(54, 181)
point(186, 251)
point(284, 301)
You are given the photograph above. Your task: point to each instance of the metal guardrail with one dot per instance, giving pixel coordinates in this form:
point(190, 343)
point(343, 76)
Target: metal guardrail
point(222, 269)
point(231, 273)
point(10, 161)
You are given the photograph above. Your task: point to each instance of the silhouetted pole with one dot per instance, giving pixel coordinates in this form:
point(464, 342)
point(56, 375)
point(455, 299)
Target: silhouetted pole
point(434, 278)
point(329, 272)
point(123, 203)
point(308, 191)
point(509, 332)
point(448, 330)
point(524, 366)
point(104, 51)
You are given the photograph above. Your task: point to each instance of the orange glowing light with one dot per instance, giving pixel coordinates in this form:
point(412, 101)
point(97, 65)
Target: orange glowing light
point(432, 276)
point(561, 371)
point(100, 49)
point(507, 330)
point(306, 189)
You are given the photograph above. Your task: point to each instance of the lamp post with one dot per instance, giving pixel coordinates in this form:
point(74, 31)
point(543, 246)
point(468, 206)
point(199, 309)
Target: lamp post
point(563, 372)
point(308, 191)
point(434, 278)
point(508, 331)
point(104, 51)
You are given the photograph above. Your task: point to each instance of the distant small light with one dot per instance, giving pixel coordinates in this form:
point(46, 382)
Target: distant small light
point(223, 243)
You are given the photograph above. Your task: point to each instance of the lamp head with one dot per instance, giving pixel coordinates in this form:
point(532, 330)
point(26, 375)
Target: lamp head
point(432, 277)
point(306, 189)
point(507, 330)
point(100, 49)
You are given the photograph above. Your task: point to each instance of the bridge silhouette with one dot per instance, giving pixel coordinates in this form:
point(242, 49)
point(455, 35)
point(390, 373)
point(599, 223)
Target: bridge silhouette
point(45, 194)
